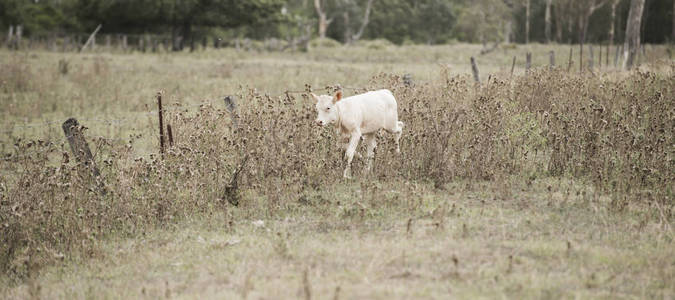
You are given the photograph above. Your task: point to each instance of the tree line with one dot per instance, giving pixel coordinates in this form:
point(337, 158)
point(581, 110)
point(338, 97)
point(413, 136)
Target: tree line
point(399, 21)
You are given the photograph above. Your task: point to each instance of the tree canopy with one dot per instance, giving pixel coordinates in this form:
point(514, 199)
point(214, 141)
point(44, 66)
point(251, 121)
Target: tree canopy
point(400, 21)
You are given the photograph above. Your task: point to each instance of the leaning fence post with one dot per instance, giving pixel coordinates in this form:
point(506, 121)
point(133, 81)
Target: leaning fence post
point(528, 61)
point(600, 57)
point(551, 59)
point(513, 65)
point(91, 37)
point(474, 69)
point(80, 148)
point(161, 124)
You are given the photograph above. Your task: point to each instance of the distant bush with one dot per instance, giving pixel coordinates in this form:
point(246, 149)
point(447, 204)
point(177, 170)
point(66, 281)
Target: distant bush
point(324, 43)
point(377, 44)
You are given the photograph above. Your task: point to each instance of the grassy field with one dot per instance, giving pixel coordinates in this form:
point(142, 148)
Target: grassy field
point(551, 184)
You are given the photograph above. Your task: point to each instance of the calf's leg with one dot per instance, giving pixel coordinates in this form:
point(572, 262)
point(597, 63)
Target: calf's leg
point(351, 149)
point(343, 143)
point(371, 144)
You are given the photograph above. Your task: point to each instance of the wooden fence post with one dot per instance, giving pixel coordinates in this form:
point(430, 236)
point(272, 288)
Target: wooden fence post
point(231, 107)
point(170, 133)
point(91, 37)
point(569, 62)
point(474, 69)
point(551, 59)
point(513, 65)
point(528, 62)
point(600, 57)
point(10, 36)
point(161, 124)
point(141, 44)
point(124, 43)
point(17, 39)
point(616, 56)
point(80, 148)
point(590, 60)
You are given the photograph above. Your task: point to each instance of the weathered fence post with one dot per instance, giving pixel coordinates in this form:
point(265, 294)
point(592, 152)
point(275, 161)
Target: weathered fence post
point(600, 58)
point(64, 46)
point(590, 60)
point(528, 61)
point(80, 148)
point(407, 80)
point(17, 39)
point(170, 133)
point(161, 124)
point(513, 65)
point(91, 37)
point(581, 57)
point(551, 59)
point(231, 107)
point(10, 36)
point(474, 69)
point(616, 56)
point(124, 43)
point(141, 44)
point(569, 62)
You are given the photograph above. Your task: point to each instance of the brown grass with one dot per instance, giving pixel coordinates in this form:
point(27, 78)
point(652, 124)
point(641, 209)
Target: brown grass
point(610, 132)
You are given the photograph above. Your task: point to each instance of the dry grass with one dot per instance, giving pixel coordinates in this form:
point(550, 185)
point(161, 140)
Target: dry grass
point(547, 185)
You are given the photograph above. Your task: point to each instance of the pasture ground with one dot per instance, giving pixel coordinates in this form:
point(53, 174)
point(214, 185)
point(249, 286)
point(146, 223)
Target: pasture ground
point(376, 238)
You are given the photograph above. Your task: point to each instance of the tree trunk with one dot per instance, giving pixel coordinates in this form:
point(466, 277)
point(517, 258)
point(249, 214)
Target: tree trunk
point(527, 21)
point(612, 22)
point(323, 21)
point(673, 30)
point(348, 28)
point(10, 36)
point(366, 19)
point(507, 32)
point(632, 42)
point(547, 20)
point(558, 23)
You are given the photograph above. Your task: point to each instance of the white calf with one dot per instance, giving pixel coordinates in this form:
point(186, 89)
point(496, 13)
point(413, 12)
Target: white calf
point(360, 115)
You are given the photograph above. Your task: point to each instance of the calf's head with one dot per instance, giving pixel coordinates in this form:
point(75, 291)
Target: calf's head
point(326, 108)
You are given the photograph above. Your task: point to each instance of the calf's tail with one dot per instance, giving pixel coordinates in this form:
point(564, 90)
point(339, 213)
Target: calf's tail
point(400, 125)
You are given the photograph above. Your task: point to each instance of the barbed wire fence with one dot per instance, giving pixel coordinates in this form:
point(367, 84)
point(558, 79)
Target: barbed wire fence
point(118, 122)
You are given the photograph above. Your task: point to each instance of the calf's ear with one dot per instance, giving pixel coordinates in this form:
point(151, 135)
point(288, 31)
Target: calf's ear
point(316, 98)
point(338, 96)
